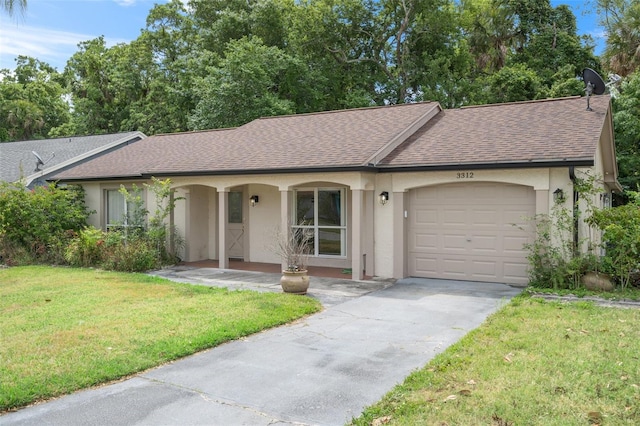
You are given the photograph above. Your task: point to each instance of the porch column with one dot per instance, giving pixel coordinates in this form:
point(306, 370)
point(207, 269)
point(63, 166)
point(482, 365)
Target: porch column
point(399, 239)
point(284, 221)
point(356, 233)
point(223, 212)
point(369, 199)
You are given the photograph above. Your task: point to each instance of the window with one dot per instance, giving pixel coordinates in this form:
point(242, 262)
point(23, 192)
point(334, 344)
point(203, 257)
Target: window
point(321, 211)
point(119, 212)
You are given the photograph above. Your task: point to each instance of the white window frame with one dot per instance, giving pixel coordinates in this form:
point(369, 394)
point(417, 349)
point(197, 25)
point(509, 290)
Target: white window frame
point(316, 228)
point(125, 214)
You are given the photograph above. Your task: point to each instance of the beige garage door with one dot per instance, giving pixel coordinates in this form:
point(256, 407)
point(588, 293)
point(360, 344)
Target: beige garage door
point(466, 231)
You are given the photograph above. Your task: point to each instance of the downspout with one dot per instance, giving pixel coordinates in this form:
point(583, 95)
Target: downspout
point(576, 197)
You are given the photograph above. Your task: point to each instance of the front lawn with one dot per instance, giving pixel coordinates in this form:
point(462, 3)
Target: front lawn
point(532, 363)
point(65, 329)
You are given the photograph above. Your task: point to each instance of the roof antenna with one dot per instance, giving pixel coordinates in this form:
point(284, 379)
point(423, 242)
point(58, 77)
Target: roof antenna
point(594, 85)
point(39, 161)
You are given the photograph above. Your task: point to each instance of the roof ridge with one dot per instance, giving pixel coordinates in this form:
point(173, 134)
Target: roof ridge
point(195, 131)
point(341, 110)
point(521, 102)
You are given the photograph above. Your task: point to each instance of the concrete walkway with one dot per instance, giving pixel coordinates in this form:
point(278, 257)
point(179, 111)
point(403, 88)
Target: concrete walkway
point(323, 370)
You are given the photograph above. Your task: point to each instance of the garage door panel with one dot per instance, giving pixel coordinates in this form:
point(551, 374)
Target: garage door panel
point(483, 271)
point(514, 244)
point(451, 217)
point(470, 232)
point(425, 242)
point(488, 244)
point(426, 265)
point(515, 217)
point(516, 273)
point(485, 218)
point(454, 267)
point(426, 217)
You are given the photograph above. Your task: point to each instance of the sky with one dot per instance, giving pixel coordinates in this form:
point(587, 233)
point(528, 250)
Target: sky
point(50, 30)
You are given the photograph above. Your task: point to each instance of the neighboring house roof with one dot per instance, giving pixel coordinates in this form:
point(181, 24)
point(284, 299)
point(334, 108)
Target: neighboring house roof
point(17, 160)
point(398, 137)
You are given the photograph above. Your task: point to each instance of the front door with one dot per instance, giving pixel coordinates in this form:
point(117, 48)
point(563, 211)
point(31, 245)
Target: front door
point(235, 227)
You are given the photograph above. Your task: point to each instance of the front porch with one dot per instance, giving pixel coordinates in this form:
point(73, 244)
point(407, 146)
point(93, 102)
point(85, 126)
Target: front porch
point(274, 268)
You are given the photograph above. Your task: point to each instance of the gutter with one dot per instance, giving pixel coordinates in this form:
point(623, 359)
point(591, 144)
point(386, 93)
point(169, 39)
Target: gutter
point(370, 168)
point(578, 162)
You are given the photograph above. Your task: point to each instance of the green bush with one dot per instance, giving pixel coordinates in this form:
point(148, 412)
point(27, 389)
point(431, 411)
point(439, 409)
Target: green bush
point(621, 237)
point(87, 248)
point(37, 224)
point(136, 254)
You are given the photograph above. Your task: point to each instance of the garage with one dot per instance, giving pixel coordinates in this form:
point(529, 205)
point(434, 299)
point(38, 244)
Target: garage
point(470, 231)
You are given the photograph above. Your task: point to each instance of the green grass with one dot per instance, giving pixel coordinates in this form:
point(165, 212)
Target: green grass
point(64, 329)
point(532, 363)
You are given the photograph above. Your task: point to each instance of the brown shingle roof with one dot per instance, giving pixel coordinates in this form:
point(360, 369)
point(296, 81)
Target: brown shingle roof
point(521, 132)
point(518, 133)
point(333, 139)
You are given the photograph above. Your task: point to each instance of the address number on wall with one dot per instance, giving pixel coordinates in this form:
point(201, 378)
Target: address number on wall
point(464, 175)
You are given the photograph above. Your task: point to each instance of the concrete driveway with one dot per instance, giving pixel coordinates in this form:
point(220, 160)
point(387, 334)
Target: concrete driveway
point(323, 370)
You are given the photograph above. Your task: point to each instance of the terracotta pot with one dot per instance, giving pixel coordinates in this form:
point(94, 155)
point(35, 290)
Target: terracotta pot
point(295, 282)
point(597, 282)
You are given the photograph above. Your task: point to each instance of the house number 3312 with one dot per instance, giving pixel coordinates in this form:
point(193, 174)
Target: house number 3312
point(464, 175)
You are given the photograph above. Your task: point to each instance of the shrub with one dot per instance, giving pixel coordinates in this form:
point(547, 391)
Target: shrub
point(130, 255)
point(555, 258)
point(37, 224)
point(87, 248)
point(621, 237)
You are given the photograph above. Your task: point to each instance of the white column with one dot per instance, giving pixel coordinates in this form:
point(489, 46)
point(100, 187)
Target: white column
point(399, 239)
point(223, 255)
point(369, 201)
point(356, 233)
point(284, 221)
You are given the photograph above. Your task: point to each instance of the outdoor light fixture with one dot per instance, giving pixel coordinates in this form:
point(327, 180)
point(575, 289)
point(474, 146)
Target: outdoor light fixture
point(558, 196)
point(383, 197)
point(254, 200)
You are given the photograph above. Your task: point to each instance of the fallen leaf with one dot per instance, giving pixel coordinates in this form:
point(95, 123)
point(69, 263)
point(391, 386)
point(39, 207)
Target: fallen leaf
point(594, 417)
point(584, 332)
point(621, 320)
point(508, 356)
point(621, 334)
point(499, 421)
point(624, 377)
point(465, 392)
point(635, 386)
point(381, 421)
point(471, 382)
point(450, 398)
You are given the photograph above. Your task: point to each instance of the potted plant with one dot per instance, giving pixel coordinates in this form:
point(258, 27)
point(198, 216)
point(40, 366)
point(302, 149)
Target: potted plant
point(294, 246)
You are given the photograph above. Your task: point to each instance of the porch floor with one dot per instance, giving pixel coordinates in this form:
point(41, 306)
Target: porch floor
point(274, 268)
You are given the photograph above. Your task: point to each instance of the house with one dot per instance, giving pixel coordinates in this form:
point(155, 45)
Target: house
point(21, 160)
point(392, 191)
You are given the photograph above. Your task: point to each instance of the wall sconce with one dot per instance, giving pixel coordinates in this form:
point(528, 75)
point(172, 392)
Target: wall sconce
point(558, 196)
point(254, 200)
point(383, 197)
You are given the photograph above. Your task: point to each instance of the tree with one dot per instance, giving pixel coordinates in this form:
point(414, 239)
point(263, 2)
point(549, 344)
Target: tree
point(621, 18)
point(626, 118)
point(31, 101)
point(251, 82)
point(10, 6)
